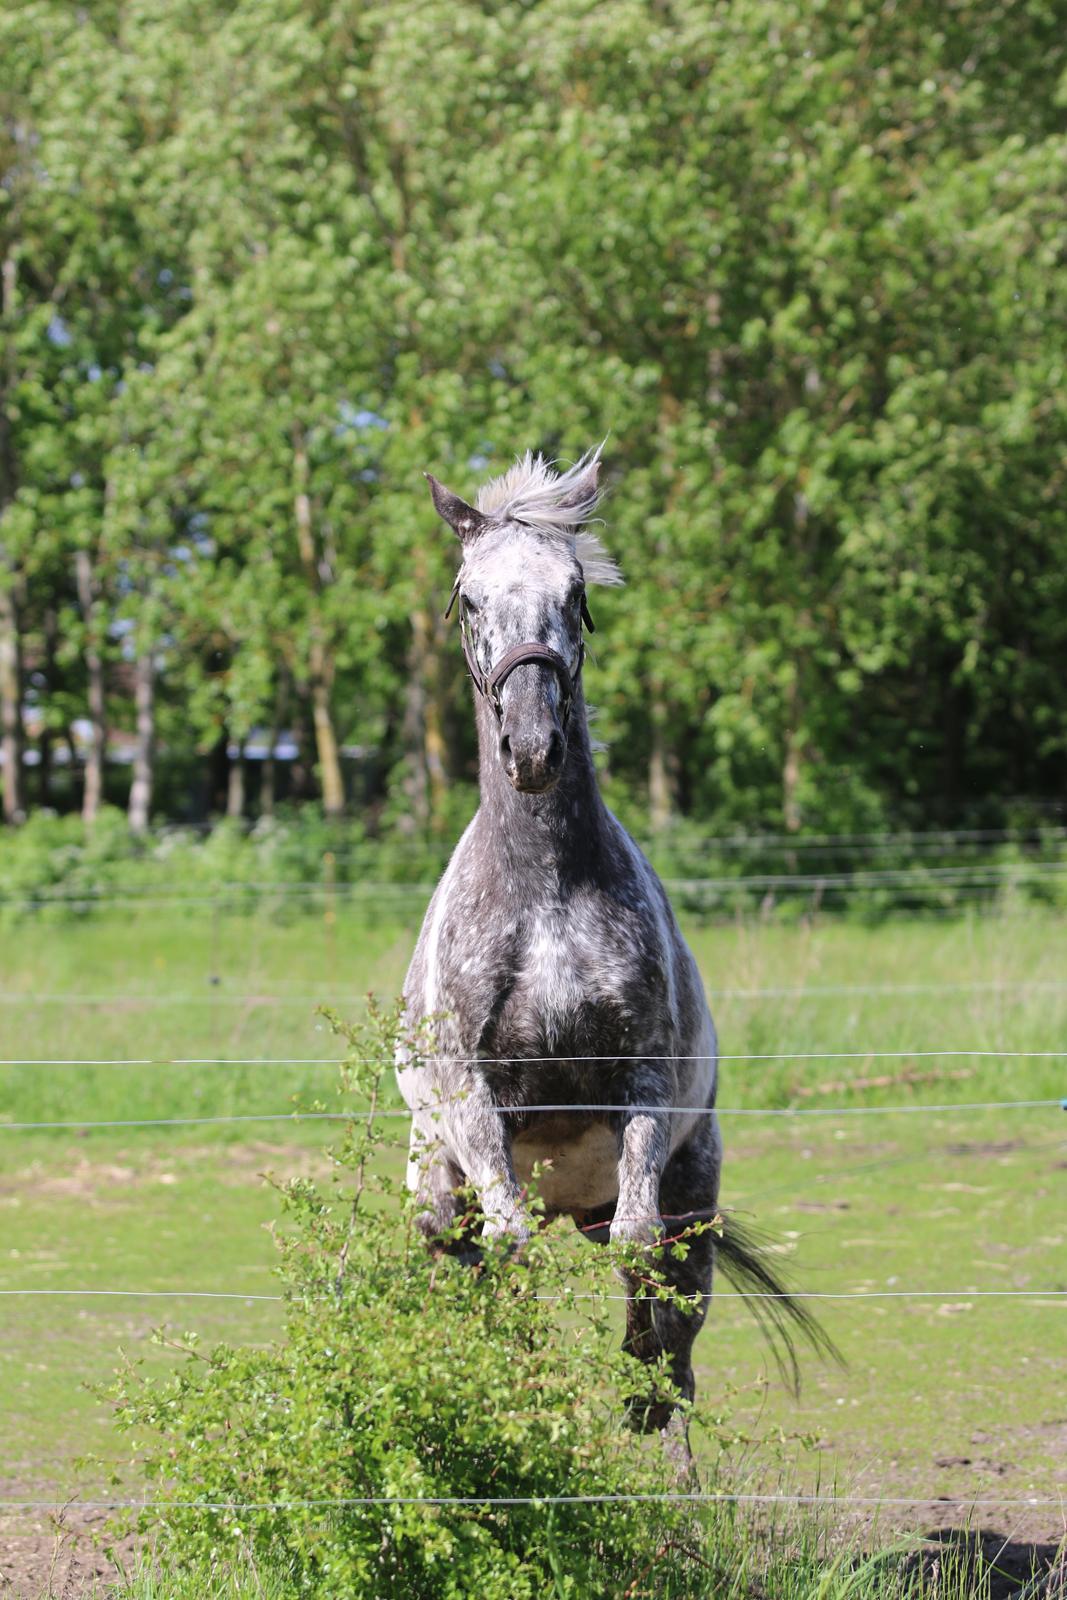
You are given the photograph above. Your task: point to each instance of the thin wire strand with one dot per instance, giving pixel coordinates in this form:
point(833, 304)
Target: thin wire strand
point(715, 1295)
point(924, 873)
point(1032, 833)
point(972, 875)
point(136, 1294)
point(497, 1061)
point(1042, 1295)
point(810, 992)
point(403, 1111)
point(975, 904)
point(708, 1497)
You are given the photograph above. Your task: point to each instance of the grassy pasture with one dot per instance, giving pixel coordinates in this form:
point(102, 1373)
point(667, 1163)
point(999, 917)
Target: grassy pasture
point(956, 1396)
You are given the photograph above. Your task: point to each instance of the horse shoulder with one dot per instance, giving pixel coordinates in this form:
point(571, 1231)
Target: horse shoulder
point(688, 1002)
point(421, 982)
point(467, 955)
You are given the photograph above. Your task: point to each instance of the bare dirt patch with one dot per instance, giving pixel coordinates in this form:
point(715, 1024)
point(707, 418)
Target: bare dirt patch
point(55, 1554)
point(1010, 1566)
point(91, 1181)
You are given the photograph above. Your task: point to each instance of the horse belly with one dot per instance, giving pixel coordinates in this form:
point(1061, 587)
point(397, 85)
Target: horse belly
point(584, 1170)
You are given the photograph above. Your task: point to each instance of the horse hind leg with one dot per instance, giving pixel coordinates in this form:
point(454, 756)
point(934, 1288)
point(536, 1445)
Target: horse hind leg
point(689, 1191)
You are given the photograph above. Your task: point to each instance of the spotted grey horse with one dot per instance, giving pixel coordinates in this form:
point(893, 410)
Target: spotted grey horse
point(550, 963)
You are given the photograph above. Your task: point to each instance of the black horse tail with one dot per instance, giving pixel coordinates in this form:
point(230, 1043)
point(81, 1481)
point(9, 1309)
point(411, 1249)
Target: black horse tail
point(741, 1251)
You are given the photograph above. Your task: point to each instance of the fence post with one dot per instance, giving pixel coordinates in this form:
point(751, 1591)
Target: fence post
point(329, 869)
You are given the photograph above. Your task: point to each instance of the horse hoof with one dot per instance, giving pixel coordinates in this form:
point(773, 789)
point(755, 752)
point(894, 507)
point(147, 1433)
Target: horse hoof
point(643, 1231)
point(648, 1413)
point(676, 1447)
point(507, 1243)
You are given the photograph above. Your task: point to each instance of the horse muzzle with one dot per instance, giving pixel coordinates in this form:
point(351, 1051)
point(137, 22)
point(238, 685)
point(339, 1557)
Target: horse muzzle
point(533, 762)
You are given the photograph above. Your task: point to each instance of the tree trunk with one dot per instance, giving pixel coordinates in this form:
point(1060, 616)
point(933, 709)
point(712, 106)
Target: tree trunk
point(321, 673)
point(301, 785)
point(11, 729)
point(662, 768)
point(235, 785)
point(793, 762)
point(431, 753)
point(954, 757)
point(791, 783)
point(52, 678)
point(268, 789)
point(93, 792)
point(426, 665)
point(216, 777)
point(327, 748)
point(144, 691)
point(416, 782)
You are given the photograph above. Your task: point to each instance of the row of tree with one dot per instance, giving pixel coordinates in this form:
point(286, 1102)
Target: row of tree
point(262, 261)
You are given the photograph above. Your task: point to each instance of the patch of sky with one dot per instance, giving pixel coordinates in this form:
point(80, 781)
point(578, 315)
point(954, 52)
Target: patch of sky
point(360, 418)
point(199, 537)
point(58, 332)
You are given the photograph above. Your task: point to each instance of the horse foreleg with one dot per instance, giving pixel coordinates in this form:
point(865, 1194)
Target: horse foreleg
point(688, 1194)
point(644, 1146)
point(435, 1181)
point(477, 1132)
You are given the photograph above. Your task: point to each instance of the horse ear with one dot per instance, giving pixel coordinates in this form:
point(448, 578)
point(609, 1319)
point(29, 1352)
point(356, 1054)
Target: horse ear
point(466, 523)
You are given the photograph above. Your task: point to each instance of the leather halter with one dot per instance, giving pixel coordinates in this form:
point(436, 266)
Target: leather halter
point(489, 684)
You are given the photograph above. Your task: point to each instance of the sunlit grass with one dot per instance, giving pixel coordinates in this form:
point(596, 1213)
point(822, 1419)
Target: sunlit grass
point(955, 1395)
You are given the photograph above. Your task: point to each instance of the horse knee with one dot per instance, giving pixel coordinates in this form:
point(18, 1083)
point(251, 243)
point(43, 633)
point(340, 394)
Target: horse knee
point(636, 1230)
point(514, 1231)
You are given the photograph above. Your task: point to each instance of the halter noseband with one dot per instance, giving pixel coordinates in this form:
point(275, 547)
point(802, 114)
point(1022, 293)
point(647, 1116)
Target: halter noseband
point(489, 684)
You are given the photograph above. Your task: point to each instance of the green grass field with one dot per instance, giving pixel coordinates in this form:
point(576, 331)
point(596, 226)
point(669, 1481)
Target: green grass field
point(956, 1397)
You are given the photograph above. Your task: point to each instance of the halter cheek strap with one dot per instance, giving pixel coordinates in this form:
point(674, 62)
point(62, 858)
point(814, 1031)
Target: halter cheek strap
point(489, 684)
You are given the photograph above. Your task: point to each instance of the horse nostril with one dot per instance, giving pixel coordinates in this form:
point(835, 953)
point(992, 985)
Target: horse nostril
point(556, 750)
point(505, 747)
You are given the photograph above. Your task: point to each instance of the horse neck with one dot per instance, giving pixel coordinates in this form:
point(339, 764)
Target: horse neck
point(562, 832)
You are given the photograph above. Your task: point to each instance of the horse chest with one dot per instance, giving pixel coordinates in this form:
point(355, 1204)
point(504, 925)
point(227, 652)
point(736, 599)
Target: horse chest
point(567, 992)
point(555, 976)
point(562, 979)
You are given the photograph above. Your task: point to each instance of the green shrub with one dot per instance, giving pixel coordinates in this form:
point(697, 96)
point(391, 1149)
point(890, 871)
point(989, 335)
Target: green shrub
point(404, 1378)
point(299, 861)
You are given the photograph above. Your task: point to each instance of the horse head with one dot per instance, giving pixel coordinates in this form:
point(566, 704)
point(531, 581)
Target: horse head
point(521, 590)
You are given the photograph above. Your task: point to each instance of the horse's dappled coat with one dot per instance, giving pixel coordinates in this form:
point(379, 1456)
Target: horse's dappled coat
point(550, 967)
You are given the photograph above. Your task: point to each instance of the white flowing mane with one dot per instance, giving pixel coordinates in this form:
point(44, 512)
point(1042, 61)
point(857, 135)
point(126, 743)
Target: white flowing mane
point(557, 504)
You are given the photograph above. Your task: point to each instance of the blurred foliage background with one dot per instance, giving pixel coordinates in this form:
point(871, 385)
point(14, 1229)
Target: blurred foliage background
point(263, 261)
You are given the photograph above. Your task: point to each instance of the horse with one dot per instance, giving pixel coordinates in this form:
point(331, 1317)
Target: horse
point(568, 1026)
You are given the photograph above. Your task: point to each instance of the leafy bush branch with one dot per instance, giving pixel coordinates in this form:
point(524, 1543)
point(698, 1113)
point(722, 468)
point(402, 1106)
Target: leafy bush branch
point(389, 1442)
